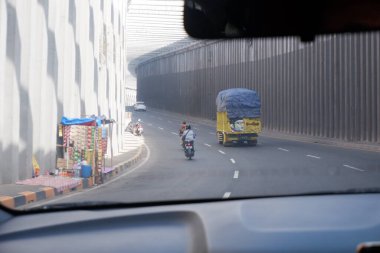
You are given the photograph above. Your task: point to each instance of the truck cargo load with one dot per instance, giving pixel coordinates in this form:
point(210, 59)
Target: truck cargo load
point(238, 117)
point(239, 103)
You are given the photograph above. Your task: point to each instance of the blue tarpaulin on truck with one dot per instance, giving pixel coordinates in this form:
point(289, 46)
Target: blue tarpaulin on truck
point(239, 103)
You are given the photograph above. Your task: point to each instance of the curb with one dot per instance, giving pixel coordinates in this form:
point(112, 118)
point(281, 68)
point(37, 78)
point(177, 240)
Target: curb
point(121, 167)
point(45, 193)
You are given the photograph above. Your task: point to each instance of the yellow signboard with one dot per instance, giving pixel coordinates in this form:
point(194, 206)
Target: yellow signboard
point(36, 167)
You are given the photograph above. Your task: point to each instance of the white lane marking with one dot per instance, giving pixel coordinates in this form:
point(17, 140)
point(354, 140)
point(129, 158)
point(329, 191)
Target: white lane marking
point(236, 174)
point(227, 195)
point(232, 160)
point(208, 145)
point(282, 149)
point(149, 124)
point(351, 167)
point(160, 128)
point(220, 151)
point(313, 156)
point(211, 133)
point(195, 128)
point(174, 133)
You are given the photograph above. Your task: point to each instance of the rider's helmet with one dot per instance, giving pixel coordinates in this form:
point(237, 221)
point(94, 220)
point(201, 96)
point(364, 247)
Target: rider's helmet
point(188, 127)
point(139, 120)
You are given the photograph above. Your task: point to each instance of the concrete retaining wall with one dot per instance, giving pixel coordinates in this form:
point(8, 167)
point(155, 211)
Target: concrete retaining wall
point(57, 57)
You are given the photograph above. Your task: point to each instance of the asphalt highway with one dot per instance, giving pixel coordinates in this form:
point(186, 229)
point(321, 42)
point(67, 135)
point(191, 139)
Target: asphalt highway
point(274, 167)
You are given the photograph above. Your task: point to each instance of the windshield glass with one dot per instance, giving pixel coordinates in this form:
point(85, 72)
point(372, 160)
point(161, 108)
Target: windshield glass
point(223, 118)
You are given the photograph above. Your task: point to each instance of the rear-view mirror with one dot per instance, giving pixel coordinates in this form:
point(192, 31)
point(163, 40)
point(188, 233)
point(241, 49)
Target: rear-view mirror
point(211, 19)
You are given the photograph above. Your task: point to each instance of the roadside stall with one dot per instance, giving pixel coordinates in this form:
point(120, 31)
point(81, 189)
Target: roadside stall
point(81, 149)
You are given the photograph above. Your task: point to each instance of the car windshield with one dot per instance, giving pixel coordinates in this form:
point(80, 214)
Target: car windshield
point(224, 119)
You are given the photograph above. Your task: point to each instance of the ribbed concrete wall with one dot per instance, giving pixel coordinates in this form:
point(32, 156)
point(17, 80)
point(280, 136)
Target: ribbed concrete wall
point(329, 88)
point(57, 57)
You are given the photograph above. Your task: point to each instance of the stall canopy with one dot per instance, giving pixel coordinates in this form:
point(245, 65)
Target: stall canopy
point(78, 121)
point(91, 121)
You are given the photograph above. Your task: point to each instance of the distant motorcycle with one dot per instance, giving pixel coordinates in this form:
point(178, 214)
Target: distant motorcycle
point(189, 149)
point(138, 130)
point(135, 129)
point(130, 127)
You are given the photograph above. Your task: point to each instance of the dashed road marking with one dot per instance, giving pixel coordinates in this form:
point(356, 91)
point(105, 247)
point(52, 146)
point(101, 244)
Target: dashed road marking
point(149, 124)
point(282, 149)
point(227, 195)
point(351, 167)
point(208, 145)
point(160, 128)
point(174, 133)
point(211, 133)
point(233, 160)
point(313, 156)
point(236, 174)
point(220, 151)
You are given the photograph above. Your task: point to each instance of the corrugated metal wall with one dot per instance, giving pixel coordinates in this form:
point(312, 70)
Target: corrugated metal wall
point(329, 88)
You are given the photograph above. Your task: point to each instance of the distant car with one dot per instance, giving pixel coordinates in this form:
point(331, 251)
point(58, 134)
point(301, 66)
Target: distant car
point(139, 106)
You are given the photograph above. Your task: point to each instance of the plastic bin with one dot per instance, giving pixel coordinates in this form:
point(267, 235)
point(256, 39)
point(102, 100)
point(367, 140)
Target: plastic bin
point(86, 171)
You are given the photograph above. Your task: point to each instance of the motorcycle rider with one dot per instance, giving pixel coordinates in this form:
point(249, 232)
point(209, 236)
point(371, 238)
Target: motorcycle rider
point(188, 136)
point(182, 128)
point(137, 126)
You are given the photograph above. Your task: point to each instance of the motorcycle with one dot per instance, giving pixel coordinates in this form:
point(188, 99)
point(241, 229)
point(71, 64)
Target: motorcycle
point(135, 129)
point(129, 127)
point(138, 130)
point(189, 149)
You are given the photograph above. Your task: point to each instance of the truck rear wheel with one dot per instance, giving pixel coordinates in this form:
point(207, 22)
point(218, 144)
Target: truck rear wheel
point(226, 143)
point(252, 143)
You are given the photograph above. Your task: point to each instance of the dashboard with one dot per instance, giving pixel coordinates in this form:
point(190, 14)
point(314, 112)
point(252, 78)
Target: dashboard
point(325, 223)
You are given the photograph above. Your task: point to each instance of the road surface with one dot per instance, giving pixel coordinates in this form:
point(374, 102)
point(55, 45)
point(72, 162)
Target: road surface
point(273, 167)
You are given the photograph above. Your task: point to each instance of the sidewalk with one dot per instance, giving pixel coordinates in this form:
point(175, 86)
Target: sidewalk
point(45, 186)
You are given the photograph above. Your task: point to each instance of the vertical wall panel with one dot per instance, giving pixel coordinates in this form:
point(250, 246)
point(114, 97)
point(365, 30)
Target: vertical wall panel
point(51, 64)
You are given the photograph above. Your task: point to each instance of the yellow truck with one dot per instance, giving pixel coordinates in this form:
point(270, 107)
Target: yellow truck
point(238, 117)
